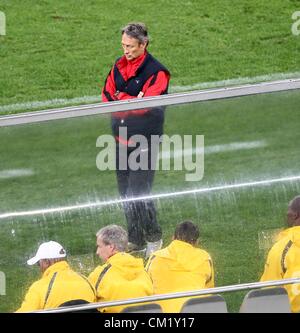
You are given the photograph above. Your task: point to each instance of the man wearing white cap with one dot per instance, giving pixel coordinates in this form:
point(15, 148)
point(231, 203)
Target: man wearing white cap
point(59, 285)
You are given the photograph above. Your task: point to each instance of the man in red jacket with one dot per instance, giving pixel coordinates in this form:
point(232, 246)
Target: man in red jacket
point(137, 74)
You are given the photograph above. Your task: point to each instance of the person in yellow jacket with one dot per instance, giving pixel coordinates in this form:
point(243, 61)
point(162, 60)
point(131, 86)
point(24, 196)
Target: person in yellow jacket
point(283, 259)
point(122, 276)
point(181, 266)
point(59, 285)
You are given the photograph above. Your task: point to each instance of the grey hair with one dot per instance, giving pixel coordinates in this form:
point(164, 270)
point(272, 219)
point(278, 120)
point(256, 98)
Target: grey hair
point(137, 31)
point(114, 235)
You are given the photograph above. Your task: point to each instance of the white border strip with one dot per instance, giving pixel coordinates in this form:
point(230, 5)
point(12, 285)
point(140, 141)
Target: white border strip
point(14, 173)
point(233, 146)
point(56, 102)
point(62, 102)
point(155, 196)
point(237, 81)
point(150, 102)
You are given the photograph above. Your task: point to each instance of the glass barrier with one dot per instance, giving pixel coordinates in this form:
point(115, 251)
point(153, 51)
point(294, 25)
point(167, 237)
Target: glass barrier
point(52, 187)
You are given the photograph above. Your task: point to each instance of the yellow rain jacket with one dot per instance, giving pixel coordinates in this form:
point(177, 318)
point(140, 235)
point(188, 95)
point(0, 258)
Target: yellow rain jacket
point(59, 284)
point(179, 267)
point(284, 262)
point(121, 277)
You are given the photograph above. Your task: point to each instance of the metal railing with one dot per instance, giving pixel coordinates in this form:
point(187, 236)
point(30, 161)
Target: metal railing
point(149, 102)
point(201, 292)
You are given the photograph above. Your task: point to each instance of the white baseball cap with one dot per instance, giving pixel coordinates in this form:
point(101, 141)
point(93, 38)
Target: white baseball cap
point(48, 250)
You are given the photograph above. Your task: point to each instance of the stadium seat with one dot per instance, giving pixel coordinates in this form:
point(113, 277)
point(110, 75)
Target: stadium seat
point(266, 300)
point(144, 308)
point(205, 304)
point(78, 302)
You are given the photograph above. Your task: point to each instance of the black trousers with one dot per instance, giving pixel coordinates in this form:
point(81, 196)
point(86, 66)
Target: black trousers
point(141, 217)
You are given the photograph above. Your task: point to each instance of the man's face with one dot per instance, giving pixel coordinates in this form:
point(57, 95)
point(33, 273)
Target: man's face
point(132, 47)
point(104, 251)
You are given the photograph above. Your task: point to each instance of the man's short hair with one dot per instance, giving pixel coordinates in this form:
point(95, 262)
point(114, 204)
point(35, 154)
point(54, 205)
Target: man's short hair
point(114, 235)
point(187, 232)
point(137, 31)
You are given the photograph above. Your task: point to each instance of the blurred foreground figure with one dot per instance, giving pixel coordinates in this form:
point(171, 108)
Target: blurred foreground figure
point(137, 74)
point(284, 257)
point(181, 266)
point(59, 285)
point(122, 276)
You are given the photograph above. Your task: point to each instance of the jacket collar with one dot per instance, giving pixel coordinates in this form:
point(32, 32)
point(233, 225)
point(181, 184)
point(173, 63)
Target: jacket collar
point(58, 266)
point(123, 64)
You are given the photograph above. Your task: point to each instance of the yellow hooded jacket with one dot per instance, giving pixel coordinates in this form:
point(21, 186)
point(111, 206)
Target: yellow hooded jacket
point(179, 267)
point(59, 284)
point(284, 262)
point(121, 277)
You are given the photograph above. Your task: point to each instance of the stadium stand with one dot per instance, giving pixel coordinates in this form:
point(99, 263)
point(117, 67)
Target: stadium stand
point(266, 300)
point(207, 304)
point(269, 292)
point(144, 308)
point(78, 302)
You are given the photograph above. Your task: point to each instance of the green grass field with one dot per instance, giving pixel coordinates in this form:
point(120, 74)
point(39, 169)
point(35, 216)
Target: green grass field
point(65, 49)
point(54, 49)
